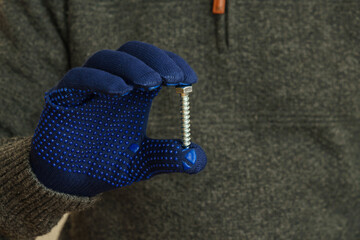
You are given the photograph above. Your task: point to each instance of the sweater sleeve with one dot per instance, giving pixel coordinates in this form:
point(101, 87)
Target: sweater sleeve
point(27, 208)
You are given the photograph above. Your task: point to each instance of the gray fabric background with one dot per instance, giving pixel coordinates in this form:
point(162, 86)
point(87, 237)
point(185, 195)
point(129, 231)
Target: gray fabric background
point(277, 110)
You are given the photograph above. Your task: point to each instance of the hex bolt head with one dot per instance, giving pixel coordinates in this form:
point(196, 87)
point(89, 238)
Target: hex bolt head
point(183, 91)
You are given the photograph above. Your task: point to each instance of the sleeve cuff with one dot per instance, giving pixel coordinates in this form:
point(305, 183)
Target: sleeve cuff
point(28, 208)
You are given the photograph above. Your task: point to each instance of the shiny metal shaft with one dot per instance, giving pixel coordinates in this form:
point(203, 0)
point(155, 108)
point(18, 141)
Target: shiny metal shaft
point(185, 114)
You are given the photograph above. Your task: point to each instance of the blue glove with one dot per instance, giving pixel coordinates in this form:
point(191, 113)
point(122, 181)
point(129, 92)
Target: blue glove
point(91, 136)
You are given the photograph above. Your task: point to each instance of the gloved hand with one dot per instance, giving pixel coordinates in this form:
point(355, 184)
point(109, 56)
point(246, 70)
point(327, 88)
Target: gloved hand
point(91, 135)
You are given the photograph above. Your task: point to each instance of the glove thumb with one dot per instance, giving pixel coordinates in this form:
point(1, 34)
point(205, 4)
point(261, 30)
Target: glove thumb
point(165, 156)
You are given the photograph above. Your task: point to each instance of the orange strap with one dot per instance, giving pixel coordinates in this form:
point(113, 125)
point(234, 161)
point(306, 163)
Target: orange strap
point(218, 7)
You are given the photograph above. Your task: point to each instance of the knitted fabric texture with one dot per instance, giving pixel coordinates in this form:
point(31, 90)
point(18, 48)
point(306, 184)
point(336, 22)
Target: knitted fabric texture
point(34, 209)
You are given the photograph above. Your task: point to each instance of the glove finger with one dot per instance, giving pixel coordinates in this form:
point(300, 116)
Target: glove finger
point(189, 74)
point(157, 59)
point(167, 156)
point(131, 69)
point(94, 80)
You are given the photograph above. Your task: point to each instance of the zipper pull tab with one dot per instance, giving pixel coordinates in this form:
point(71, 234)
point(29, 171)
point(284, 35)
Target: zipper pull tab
point(218, 7)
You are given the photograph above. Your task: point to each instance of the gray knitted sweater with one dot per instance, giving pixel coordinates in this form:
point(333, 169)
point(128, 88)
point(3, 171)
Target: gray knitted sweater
point(277, 110)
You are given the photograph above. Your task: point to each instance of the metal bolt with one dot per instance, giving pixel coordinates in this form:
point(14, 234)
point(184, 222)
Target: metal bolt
point(185, 114)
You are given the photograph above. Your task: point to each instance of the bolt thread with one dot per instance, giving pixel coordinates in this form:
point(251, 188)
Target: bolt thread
point(185, 119)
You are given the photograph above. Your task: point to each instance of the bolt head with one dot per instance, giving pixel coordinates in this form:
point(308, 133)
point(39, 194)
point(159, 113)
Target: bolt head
point(184, 90)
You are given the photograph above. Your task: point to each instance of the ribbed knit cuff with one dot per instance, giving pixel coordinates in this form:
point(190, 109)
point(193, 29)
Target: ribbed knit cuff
point(28, 208)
